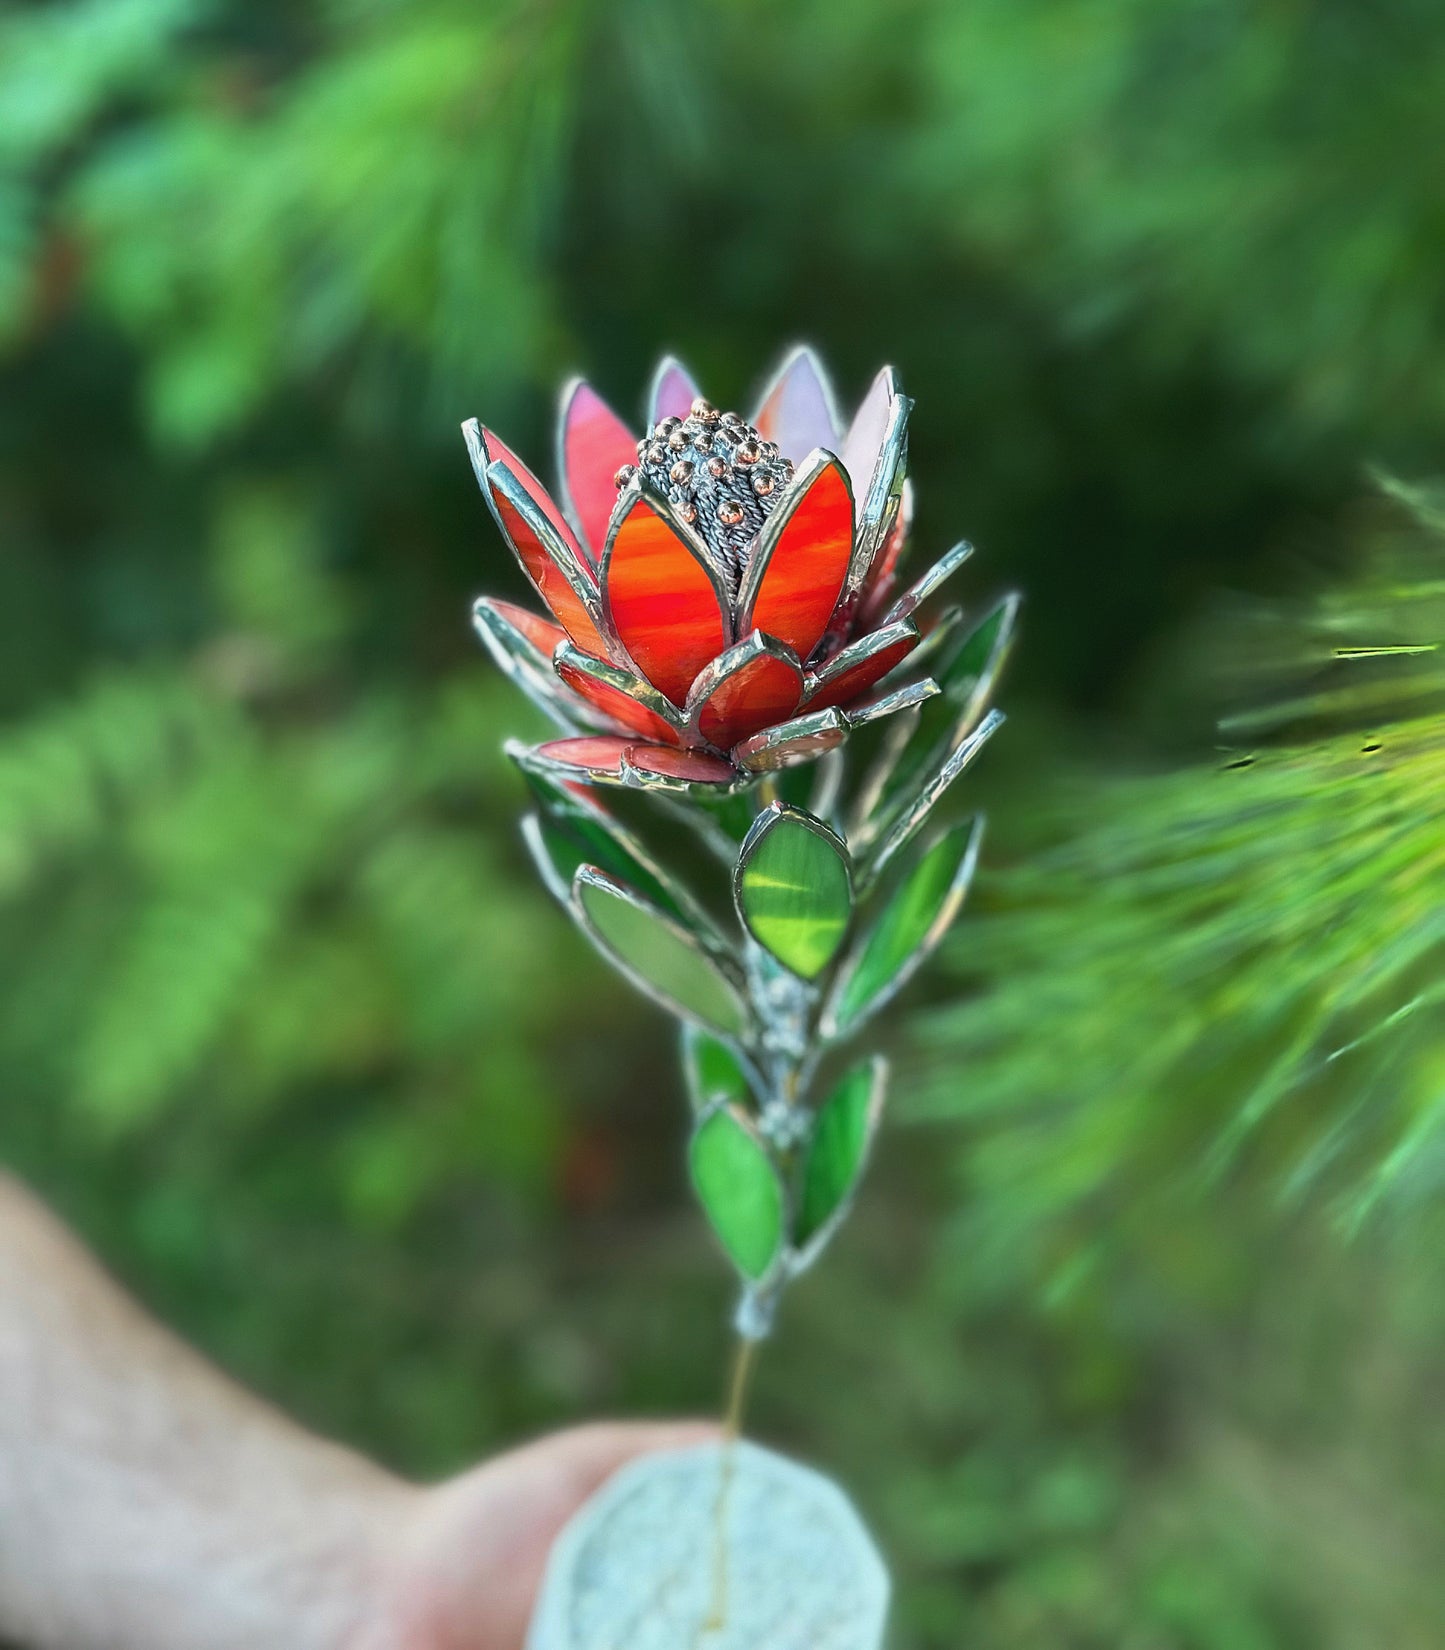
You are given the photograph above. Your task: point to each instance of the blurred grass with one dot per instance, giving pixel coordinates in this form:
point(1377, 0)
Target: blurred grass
point(288, 1030)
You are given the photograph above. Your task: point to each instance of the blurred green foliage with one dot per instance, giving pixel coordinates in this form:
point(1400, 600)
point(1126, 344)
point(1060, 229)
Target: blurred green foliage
point(287, 1028)
point(1288, 895)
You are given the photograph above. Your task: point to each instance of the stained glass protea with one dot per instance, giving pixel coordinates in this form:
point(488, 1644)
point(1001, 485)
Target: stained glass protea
point(722, 610)
point(720, 593)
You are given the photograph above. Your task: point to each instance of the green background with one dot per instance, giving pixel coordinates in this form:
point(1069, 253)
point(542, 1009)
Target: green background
point(289, 1030)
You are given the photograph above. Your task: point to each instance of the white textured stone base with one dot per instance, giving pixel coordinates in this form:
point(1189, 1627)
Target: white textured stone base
point(638, 1568)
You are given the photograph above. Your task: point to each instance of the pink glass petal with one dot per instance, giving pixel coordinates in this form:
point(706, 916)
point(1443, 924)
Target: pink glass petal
point(880, 503)
point(859, 667)
point(521, 645)
point(595, 445)
point(802, 559)
point(864, 442)
point(759, 689)
point(781, 748)
point(540, 632)
point(797, 409)
point(662, 597)
point(599, 755)
point(673, 392)
point(615, 702)
point(696, 767)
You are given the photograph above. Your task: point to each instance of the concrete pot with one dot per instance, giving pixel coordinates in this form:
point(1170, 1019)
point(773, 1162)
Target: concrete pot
point(648, 1563)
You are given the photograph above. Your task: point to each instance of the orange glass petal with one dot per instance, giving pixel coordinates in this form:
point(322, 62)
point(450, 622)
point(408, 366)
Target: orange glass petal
point(804, 574)
point(595, 445)
point(662, 600)
point(763, 691)
point(619, 705)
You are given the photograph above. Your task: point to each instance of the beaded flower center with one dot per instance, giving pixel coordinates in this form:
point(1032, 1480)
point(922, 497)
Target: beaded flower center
point(721, 477)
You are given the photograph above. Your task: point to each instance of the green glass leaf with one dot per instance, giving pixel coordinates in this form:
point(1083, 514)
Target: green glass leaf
point(981, 654)
point(909, 928)
point(655, 953)
point(914, 810)
point(796, 785)
point(549, 792)
point(733, 814)
point(589, 832)
point(794, 888)
point(940, 642)
point(838, 1149)
point(812, 786)
point(649, 822)
point(714, 1072)
point(967, 674)
point(561, 843)
point(739, 1189)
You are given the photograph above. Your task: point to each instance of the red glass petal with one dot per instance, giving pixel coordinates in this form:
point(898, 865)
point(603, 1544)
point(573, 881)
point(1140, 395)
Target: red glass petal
point(673, 392)
point(797, 408)
point(497, 451)
point(860, 666)
point(595, 445)
point(603, 689)
point(697, 767)
point(933, 580)
point(883, 573)
point(891, 703)
point(571, 600)
point(748, 688)
point(801, 560)
point(661, 596)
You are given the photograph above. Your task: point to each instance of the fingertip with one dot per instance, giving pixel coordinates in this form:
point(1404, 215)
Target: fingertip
point(600, 1448)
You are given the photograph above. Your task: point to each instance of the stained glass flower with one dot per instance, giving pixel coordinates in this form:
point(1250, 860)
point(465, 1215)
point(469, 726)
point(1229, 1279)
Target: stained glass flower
point(720, 593)
point(722, 602)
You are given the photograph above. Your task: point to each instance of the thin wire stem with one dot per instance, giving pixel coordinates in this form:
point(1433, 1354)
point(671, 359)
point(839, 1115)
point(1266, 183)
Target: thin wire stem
point(745, 1357)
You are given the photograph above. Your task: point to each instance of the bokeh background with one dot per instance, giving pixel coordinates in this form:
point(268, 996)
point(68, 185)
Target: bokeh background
point(1135, 1340)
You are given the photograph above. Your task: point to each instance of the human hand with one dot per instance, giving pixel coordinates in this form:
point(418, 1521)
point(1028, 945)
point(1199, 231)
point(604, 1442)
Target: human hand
point(149, 1503)
point(468, 1557)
